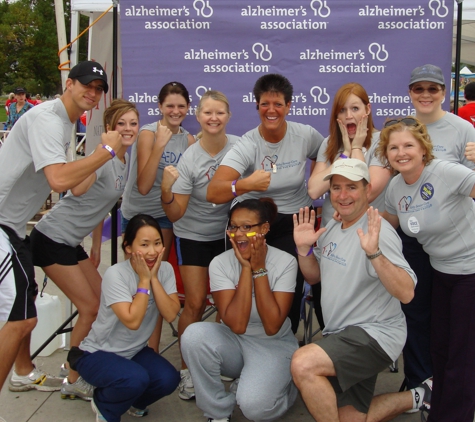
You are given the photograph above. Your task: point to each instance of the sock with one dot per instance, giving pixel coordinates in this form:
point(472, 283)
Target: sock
point(417, 397)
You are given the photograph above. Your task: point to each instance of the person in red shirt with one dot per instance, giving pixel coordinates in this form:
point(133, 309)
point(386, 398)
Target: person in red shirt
point(467, 112)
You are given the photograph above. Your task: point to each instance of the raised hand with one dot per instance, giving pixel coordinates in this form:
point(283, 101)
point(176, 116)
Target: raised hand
point(156, 266)
point(470, 151)
point(242, 261)
point(259, 180)
point(113, 139)
point(162, 136)
point(345, 137)
point(305, 235)
point(370, 241)
point(140, 266)
point(170, 176)
point(258, 251)
point(361, 132)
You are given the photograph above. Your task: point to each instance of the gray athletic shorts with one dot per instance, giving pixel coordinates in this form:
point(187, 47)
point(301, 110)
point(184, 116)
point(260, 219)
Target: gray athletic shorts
point(357, 358)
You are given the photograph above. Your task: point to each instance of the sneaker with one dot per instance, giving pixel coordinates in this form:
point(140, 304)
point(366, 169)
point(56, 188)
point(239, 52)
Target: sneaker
point(228, 419)
point(63, 372)
point(99, 417)
point(226, 379)
point(35, 380)
point(427, 386)
point(186, 389)
point(77, 390)
point(138, 413)
point(234, 386)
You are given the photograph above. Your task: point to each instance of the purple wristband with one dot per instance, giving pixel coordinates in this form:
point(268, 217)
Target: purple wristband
point(343, 155)
point(141, 290)
point(108, 148)
point(308, 254)
point(233, 188)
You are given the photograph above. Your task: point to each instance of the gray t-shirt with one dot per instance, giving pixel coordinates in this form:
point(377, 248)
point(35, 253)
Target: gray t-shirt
point(352, 293)
point(120, 285)
point(439, 213)
point(74, 217)
point(449, 136)
point(370, 159)
point(287, 188)
point(39, 138)
point(134, 202)
point(224, 273)
point(202, 221)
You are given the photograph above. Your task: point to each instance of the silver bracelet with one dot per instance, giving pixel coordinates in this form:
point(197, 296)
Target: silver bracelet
point(375, 255)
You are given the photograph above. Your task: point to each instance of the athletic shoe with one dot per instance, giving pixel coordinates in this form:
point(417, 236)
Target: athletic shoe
point(228, 419)
point(186, 389)
point(99, 417)
point(77, 390)
point(35, 380)
point(63, 372)
point(138, 413)
point(427, 386)
point(234, 386)
point(226, 379)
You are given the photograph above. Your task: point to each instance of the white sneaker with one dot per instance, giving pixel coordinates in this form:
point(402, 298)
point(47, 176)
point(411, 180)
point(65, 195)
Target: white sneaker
point(35, 380)
point(99, 417)
point(77, 390)
point(186, 389)
point(228, 419)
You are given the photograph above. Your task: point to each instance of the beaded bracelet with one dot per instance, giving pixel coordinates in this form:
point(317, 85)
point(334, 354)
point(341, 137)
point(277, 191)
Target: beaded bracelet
point(308, 254)
point(168, 203)
point(259, 271)
point(259, 275)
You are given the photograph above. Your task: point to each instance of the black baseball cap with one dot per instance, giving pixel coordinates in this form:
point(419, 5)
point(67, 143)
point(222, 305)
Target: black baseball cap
point(89, 71)
point(19, 90)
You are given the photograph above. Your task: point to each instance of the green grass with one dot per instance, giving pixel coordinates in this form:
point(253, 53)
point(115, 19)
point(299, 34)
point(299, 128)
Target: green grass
point(3, 113)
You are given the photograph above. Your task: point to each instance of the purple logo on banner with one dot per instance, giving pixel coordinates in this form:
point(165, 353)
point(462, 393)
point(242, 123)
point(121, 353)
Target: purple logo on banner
point(318, 45)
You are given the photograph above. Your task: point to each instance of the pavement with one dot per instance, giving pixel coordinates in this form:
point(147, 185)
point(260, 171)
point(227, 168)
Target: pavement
point(36, 406)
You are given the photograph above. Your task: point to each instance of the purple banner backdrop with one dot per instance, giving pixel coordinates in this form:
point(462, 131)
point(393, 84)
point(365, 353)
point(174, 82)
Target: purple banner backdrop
point(319, 45)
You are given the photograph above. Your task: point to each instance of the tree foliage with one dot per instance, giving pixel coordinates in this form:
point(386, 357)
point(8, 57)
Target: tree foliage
point(29, 46)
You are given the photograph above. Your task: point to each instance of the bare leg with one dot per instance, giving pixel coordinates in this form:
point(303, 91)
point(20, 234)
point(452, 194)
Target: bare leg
point(12, 335)
point(154, 340)
point(386, 407)
point(82, 285)
point(195, 282)
point(167, 242)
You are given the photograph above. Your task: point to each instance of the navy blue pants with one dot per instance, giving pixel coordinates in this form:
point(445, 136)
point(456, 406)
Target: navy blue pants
point(121, 383)
point(453, 348)
point(416, 352)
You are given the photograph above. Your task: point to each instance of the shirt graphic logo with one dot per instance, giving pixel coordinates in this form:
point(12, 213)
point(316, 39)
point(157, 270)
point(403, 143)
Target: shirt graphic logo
point(118, 183)
point(328, 249)
point(427, 191)
point(404, 203)
point(268, 162)
point(211, 171)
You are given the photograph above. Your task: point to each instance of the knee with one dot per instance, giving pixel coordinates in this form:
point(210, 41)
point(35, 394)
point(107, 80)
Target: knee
point(194, 307)
point(302, 364)
point(138, 382)
point(192, 335)
point(89, 310)
point(254, 408)
point(23, 328)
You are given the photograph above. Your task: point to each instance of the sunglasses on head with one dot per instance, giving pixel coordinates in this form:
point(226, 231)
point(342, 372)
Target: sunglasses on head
point(408, 121)
point(431, 90)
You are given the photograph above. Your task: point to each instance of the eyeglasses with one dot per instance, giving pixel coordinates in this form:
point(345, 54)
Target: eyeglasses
point(244, 228)
point(432, 90)
point(408, 121)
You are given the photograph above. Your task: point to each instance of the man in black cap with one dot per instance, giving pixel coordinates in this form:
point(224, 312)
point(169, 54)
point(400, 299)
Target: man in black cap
point(33, 162)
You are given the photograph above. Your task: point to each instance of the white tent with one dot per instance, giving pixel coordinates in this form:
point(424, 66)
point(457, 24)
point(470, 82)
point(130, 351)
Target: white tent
point(468, 32)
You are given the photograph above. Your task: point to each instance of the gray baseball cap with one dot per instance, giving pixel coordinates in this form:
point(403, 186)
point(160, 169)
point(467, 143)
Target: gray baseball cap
point(427, 73)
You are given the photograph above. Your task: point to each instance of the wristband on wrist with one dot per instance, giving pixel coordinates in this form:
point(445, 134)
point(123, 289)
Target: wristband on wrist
point(168, 203)
point(142, 290)
point(343, 155)
point(108, 148)
point(233, 188)
point(308, 254)
point(375, 255)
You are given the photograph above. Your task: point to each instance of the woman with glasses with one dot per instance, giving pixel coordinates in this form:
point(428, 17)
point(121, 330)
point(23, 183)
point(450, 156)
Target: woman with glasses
point(197, 224)
point(449, 135)
point(270, 161)
point(253, 287)
point(431, 201)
